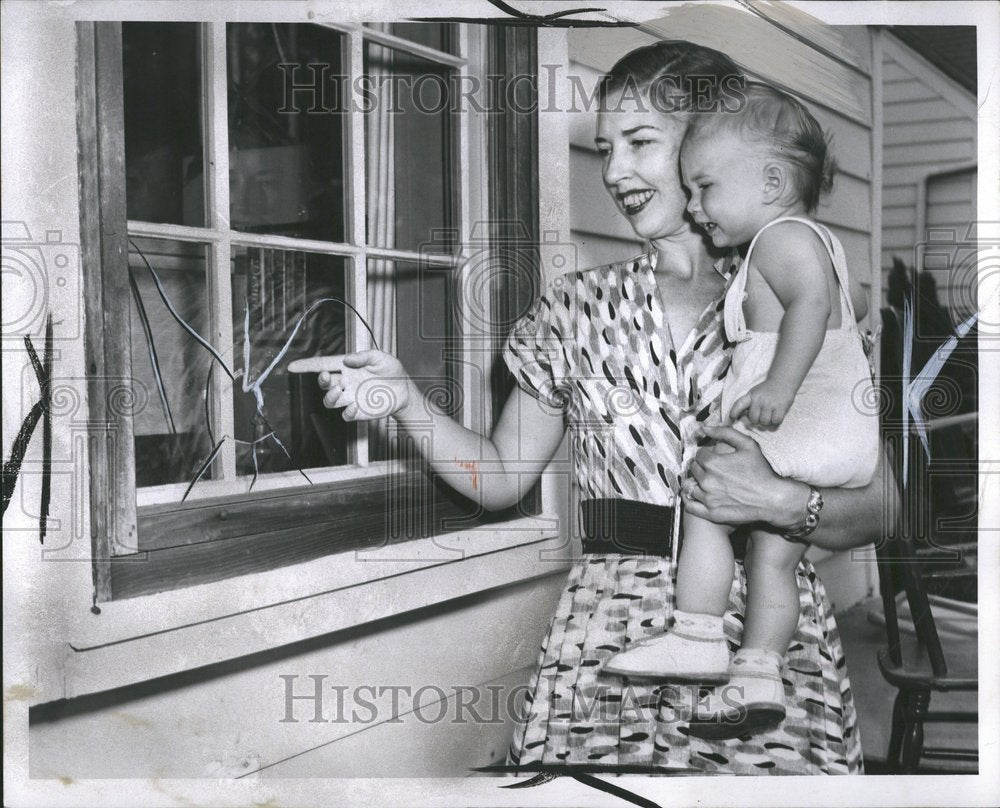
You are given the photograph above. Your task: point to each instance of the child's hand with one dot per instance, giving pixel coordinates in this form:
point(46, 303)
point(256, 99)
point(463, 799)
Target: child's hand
point(369, 385)
point(766, 405)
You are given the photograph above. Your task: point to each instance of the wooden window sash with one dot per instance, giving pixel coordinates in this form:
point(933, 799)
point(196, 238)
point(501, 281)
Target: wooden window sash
point(205, 235)
point(215, 115)
point(104, 255)
point(209, 540)
point(166, 546)
point(513, 201)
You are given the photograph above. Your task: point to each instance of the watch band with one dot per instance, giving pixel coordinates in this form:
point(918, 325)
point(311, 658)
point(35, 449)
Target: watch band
point(813, 506)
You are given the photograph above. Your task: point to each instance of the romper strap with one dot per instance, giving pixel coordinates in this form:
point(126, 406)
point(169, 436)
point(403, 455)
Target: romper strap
point(734, 319)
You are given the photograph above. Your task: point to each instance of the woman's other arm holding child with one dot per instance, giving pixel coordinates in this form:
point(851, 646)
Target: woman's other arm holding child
point(732, 483)
point(796, 266)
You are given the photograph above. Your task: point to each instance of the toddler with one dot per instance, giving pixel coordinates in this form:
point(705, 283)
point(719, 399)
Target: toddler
point(754, 176)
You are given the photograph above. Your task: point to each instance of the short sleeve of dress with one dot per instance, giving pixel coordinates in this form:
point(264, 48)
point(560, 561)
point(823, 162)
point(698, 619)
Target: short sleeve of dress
point(539, 348)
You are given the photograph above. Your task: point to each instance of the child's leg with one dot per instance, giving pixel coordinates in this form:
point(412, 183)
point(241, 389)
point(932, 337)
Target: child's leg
point(772, 613)
point(754, 699)
point(704, 567)
point(695, 648)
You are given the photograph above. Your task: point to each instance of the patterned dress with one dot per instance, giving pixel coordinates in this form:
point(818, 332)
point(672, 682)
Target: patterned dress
point(595, 345)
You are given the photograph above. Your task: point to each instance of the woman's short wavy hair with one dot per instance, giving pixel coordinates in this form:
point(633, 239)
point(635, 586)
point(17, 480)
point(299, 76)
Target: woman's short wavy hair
point(675, 76)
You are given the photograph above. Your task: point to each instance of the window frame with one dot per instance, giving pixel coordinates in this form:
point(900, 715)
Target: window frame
point(220, 241)
point(126, 531)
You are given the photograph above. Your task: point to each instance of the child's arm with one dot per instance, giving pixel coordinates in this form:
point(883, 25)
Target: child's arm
point(796, 266)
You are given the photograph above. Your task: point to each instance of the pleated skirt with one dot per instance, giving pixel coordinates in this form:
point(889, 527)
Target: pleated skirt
point(575, 715)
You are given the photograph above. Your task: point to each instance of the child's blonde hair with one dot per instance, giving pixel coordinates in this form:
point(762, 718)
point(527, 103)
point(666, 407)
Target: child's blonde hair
point(787, 127)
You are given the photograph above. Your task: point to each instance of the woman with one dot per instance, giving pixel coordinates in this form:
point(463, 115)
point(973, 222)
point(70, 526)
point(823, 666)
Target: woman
point(630, 357)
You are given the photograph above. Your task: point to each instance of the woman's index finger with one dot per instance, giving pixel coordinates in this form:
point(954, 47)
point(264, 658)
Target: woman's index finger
point(317, 364)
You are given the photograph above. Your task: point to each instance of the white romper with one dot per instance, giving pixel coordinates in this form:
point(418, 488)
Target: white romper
point(829, 436)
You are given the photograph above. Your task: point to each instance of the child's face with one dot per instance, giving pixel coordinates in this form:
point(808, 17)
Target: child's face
point(725, 178)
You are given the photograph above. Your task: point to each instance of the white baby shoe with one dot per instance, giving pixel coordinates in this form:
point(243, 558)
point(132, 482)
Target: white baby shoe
point(753, 700)
point(693, 650)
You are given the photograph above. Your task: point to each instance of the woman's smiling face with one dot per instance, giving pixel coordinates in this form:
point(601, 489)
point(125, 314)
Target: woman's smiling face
point(640, 148)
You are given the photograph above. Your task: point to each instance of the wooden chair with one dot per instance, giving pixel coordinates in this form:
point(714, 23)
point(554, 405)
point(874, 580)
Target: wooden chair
point(920, 661)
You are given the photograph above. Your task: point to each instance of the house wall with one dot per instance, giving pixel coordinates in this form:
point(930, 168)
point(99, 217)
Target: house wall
point(930, 125)
point(427, 694)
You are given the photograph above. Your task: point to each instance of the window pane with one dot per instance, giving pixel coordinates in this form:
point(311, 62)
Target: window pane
point(440, 36)
point(163, 130)
point(169, 367)
point(410, 311)
point(409, 157)
point(286, 158)
point(272, 290)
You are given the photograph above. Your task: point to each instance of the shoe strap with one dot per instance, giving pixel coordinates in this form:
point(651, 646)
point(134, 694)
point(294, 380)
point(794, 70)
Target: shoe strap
point(757, 659)
point(706, 625)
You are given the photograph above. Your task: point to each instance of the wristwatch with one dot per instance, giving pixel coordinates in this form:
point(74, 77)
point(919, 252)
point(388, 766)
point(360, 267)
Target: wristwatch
point(813, 506)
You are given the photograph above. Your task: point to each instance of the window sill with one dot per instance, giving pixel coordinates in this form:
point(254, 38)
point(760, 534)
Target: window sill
point(157, 635)
point(184, 545)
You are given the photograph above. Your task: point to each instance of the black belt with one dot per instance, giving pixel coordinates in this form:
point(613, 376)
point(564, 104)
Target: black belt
point(626, 526)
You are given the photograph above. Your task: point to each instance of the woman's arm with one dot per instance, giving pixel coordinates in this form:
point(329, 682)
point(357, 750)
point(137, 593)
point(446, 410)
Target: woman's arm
point(733, 484)
point(495, 471)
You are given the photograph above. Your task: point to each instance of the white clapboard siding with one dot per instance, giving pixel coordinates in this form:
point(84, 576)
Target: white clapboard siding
point(948, 190)
point(955, 215)
point(899, 196)
point(927, 131)
point(847, 204)
point(929, 126)
point(931, 153)
point(896, 113)
point(902, 239)
point(951, 207)
point(898, 215)
point(850, 142)
point(856, 248)
point(911, 89)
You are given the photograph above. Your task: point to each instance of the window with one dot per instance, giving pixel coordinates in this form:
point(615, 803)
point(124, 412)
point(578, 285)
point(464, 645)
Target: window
point(286, 188)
